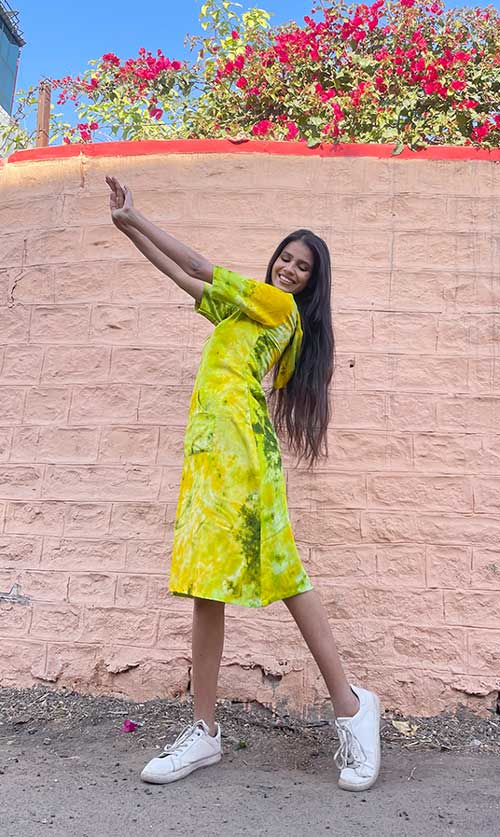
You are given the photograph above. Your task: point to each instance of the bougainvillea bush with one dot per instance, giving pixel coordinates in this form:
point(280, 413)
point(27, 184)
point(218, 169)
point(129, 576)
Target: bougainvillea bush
point(407, 72)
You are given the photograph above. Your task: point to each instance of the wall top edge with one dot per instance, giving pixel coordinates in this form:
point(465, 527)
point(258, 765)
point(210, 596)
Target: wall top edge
point(225, 146)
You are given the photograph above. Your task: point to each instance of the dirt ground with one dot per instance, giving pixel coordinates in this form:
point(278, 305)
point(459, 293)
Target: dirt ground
point(67, 768)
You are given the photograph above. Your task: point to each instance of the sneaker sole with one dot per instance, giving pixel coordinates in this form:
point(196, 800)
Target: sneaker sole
point(165, 779)
point(362, 786)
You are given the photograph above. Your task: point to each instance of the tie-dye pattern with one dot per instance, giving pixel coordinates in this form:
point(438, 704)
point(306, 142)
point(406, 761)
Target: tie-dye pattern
point(233, 541)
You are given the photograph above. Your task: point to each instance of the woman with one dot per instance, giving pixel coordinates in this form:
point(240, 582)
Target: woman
point(233, 541)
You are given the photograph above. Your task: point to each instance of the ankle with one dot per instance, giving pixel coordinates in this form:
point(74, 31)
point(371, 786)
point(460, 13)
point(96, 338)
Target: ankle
point(211, 725)
point(346, 707)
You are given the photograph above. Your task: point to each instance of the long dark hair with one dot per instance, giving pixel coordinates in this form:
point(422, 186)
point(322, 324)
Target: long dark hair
point(301, 410)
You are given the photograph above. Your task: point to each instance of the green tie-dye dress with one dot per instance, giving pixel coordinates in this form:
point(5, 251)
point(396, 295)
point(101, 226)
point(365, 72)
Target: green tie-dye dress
point(233, 540)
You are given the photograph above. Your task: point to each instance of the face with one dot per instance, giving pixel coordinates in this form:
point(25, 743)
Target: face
point(293, 267)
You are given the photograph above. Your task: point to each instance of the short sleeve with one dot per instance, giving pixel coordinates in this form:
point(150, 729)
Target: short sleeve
point(229, 292)
point(212, 308)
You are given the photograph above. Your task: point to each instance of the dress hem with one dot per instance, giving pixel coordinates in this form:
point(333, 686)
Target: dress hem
point(228, 600)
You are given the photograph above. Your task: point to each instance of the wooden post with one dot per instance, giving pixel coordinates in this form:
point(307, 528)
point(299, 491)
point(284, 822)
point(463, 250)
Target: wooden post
point(43, 114)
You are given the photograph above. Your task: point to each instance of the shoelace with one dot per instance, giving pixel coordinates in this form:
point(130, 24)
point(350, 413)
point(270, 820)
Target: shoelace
point(350, 752)
point(182, 740)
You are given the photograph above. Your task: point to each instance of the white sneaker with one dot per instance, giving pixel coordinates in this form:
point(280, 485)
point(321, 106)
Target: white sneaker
point(358, 756)
point(193, 748)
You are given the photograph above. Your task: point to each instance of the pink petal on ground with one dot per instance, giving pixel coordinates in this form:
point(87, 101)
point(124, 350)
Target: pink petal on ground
point(128, 726)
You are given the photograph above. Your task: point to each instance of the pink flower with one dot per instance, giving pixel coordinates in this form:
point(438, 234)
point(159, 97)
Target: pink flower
point(111, 58)
point(129, 726)
point(480, 132)
point(176, 65)
point(235, 35)
point(242, 83)
point(292, 131)
point(261, 128)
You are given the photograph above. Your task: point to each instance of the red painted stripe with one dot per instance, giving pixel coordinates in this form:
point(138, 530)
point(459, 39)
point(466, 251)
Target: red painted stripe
point(224, 146)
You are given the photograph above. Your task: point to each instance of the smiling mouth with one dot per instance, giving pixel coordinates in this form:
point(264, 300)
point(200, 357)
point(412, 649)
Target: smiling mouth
point(285, 280)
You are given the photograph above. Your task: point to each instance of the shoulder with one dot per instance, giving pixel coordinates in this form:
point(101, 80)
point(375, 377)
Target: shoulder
point(279, 305)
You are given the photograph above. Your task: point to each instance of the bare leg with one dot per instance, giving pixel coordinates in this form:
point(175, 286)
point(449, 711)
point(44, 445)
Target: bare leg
point(208, 641)
point(311, 617)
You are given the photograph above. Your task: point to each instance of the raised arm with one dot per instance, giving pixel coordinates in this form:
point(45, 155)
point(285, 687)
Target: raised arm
point(187, 268)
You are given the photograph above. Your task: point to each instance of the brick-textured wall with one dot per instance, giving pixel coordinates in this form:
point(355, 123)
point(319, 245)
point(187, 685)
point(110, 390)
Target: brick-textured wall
point(399, 528)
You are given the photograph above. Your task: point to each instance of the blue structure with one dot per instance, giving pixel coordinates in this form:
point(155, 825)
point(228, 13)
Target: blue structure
point(11, 42)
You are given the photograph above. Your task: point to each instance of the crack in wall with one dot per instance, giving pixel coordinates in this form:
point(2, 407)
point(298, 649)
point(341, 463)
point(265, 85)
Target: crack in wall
point(15, 595)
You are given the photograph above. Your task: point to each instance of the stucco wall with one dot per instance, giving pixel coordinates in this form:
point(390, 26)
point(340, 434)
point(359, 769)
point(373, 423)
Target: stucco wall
point(399, 528)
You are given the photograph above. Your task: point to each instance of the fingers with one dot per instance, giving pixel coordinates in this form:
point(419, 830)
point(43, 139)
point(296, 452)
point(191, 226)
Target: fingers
point(120, 195)
point(113, 184)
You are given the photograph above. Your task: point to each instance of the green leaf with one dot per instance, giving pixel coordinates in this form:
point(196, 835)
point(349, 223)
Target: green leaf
point(313, 143)
point(464, 122)
point(398, 148)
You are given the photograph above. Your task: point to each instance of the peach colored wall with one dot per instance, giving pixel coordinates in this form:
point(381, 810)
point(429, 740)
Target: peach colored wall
point(400, 528)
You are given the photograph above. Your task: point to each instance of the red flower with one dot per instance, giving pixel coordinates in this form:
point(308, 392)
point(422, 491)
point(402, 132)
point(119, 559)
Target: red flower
point(408, 3)
point(239, 62)
point(292, 131)
point(261, 128)
point(111, 58)
point(235, 35)
point(94, 126)
point(458, 85)
point(242, 83)
point(176, 65)
point(481, 131)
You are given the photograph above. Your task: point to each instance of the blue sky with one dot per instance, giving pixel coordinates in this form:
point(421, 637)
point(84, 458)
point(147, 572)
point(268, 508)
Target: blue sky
point(61, 38)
